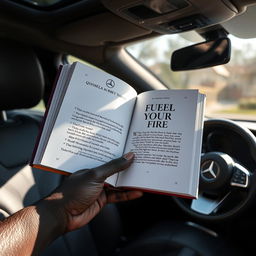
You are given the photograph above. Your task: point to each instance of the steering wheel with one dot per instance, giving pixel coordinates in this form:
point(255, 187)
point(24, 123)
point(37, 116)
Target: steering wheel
point(226, 187)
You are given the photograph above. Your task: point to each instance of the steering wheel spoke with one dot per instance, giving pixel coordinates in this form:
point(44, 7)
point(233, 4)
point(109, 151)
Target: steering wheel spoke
point(208, 206)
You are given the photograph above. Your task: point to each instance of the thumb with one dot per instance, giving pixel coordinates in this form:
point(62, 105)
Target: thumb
point(114, 166)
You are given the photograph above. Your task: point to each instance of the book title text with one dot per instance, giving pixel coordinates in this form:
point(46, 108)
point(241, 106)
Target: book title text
point(158, 115)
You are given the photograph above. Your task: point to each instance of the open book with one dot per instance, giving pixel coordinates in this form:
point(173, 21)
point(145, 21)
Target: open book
point(95, 117)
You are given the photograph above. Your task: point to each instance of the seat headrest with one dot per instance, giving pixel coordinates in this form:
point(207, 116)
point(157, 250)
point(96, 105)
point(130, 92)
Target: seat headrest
point(21, 76)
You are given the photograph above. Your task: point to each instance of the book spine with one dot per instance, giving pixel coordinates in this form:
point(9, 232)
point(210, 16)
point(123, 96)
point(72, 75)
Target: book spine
point(45, 168)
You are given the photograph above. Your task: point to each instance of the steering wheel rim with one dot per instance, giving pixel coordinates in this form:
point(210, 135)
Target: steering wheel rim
point(248, 192)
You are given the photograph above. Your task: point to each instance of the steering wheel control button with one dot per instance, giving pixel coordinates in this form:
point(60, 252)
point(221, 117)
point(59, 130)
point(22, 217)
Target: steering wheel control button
point(215, 172)
point(240, 176)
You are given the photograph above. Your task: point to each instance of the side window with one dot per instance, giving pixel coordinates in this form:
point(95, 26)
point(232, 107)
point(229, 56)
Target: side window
point(39, 107)
point(71, 59)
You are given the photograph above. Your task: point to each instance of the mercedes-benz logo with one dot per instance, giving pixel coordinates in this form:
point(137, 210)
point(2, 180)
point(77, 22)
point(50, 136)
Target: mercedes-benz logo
point(110, 83)
point(210, 170)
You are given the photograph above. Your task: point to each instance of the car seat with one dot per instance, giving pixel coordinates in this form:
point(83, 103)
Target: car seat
point(21, 87)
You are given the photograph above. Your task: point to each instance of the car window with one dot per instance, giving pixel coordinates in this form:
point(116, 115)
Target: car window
point(39, 107)
point(70, 59)
point(230, 88)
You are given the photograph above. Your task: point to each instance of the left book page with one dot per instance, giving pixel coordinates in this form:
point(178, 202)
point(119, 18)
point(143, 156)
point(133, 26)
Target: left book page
point(91, 124)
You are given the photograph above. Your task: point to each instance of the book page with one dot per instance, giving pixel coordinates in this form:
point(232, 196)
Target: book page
point(92, 123)
point(162, 136)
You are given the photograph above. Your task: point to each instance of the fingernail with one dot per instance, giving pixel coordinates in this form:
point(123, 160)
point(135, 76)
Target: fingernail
point(128, 156)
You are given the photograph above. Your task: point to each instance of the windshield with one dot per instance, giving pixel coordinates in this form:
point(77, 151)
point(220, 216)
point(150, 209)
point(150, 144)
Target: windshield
point(230, 88)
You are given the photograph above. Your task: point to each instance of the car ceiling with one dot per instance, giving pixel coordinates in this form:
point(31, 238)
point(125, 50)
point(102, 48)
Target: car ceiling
point(243, 25)
point(93, 24)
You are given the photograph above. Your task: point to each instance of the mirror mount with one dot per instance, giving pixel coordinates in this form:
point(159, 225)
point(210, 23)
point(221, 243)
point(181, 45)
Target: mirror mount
point(213, 33)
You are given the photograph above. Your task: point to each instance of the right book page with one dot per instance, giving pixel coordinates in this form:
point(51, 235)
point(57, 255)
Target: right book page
point(165, 135)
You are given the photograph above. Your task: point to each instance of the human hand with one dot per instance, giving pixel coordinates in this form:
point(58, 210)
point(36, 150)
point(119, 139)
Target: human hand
point(82, 195)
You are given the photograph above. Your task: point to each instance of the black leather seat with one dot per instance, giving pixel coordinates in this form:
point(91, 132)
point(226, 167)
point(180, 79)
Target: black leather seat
point(21, 86)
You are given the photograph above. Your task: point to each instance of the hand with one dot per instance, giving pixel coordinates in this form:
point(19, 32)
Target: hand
point(82, 195)
point(70, 206)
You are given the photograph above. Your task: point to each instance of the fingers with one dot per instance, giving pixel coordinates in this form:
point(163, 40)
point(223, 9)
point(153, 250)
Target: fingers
point(120, 196)
point(114, 166)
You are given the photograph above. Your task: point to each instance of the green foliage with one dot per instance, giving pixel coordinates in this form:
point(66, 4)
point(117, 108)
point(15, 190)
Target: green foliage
point(247, 103)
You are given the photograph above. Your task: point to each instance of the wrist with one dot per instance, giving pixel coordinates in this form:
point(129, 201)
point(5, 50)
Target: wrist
point(52, 215)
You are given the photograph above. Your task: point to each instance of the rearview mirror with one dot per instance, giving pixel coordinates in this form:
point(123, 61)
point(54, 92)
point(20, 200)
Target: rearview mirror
point(202, 55)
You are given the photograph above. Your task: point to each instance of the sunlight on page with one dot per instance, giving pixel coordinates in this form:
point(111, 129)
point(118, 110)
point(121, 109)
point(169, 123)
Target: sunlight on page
point(83, 162)
point(115, 104)
point(63, 127)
